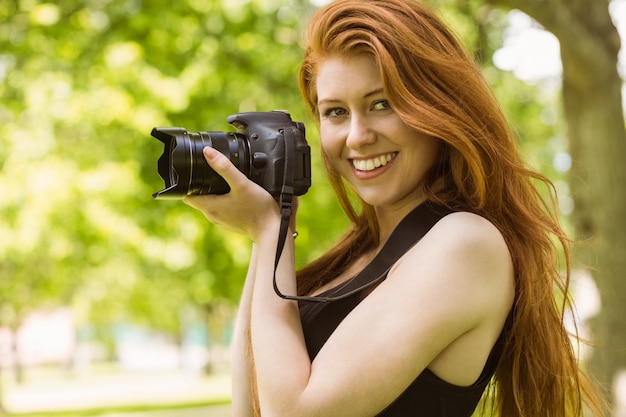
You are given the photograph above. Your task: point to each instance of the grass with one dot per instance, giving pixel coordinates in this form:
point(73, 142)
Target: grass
point(116, 410)
point(107, 390)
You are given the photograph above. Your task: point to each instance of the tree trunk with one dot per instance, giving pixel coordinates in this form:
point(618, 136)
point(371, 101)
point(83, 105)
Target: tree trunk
point(592, 100)
point(597, 137)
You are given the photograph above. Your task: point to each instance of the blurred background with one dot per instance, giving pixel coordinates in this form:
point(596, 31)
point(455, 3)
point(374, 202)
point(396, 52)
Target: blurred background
point(114, 303)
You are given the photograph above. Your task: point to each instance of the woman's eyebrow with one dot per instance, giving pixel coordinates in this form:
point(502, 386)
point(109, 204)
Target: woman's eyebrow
point(369, 94)
point(328, 100)
point(374, 92)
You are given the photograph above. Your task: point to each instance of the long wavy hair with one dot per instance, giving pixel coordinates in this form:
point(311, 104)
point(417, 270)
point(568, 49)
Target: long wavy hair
point(438, 89)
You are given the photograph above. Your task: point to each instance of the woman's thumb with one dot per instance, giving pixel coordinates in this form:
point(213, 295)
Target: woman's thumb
point(221, 165)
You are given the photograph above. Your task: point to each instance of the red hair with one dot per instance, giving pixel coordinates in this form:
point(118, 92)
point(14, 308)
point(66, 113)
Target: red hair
point(437, 89)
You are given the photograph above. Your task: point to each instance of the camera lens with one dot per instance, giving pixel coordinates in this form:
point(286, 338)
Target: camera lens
point(183, 167)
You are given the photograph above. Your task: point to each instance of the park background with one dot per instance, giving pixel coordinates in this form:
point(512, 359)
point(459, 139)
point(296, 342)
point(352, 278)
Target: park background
point(111, 302)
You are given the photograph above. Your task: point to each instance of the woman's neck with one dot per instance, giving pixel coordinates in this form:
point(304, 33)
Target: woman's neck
point(389, 217)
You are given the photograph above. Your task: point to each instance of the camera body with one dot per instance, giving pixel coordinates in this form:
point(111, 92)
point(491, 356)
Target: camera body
point(257, 149)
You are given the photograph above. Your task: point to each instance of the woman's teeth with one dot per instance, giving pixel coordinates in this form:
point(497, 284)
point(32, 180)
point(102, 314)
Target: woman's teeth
point(371, 164)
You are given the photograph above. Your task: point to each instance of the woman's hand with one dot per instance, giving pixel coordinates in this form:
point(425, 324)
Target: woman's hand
point(247, 209)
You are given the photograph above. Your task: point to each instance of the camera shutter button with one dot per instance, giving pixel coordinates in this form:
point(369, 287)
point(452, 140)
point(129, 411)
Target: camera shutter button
point(259, 160)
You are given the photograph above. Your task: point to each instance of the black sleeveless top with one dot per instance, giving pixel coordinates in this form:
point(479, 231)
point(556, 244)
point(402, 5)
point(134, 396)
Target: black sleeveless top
point(428, 395)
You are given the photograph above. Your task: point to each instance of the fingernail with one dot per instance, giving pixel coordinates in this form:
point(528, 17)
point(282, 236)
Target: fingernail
point(208, 151)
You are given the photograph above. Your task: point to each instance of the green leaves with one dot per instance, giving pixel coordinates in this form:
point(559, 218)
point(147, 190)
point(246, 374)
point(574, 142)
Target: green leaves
point(82, 85)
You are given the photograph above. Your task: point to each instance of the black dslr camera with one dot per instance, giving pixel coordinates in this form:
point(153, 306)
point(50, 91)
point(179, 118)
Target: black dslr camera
point(257, 149)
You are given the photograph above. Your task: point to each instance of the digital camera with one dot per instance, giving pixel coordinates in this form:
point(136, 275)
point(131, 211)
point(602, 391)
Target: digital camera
point(257, 149)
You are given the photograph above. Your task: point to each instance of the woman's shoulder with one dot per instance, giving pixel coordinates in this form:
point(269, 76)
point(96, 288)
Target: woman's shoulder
point(466, 229)
point(466, 237)
point(474, 244)
point(463, 251)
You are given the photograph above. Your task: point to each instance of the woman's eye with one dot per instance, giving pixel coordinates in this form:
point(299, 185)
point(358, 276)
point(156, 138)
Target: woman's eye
point(334, 112)
point(381, 105)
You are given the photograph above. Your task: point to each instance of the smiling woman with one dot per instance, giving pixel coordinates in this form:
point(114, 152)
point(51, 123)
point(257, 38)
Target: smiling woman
point(410, 129)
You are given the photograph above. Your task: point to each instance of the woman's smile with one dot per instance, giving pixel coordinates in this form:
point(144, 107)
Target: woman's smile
point(372, 167)
point(370, 164)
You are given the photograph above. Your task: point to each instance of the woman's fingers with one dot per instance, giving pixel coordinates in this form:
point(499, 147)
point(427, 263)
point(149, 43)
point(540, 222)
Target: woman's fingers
point(223, 166)
point(245, 209)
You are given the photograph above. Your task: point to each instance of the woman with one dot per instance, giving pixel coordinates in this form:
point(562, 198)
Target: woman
point(408, 126)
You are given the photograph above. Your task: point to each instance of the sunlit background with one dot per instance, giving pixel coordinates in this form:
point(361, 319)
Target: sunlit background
point(111, 302)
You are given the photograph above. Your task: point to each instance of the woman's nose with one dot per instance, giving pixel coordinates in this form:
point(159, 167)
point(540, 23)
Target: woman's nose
point(360, 133)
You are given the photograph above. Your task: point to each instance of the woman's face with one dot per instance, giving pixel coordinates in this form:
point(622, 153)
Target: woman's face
point(364, 139)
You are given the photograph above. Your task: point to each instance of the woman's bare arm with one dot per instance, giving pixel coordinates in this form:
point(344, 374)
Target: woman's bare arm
point(442, 306)
point(241, 351)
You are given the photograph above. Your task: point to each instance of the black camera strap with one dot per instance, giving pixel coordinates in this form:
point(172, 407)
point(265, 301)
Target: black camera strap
point(406, 234)
point(285, 201)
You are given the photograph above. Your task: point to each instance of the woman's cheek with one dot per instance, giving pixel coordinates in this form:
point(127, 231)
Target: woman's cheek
point(331, 144)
